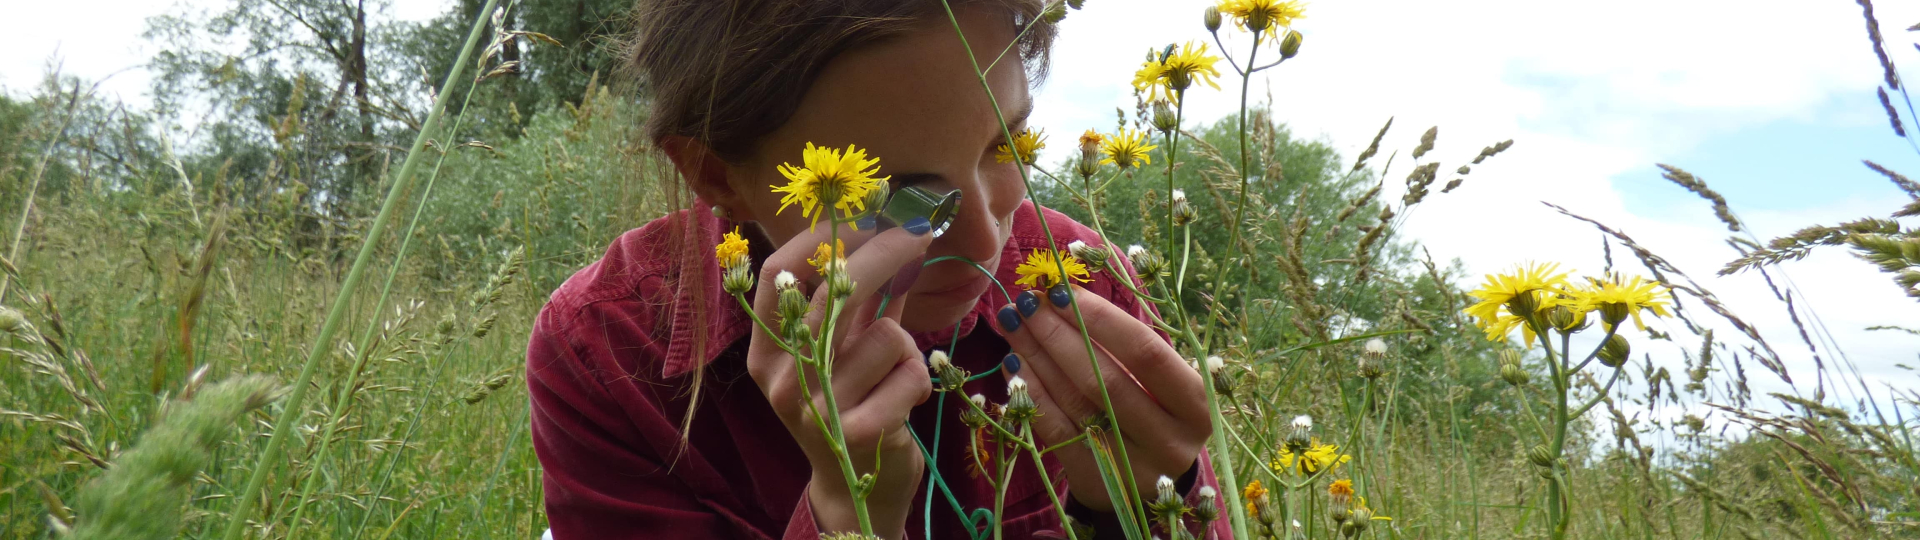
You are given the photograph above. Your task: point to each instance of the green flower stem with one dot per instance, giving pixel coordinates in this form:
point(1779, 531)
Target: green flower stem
point(1173, 145)
point(294, 407)
point(1125, 468)
point(1223, 454)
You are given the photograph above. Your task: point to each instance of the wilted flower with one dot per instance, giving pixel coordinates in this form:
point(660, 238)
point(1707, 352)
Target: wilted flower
point(1257, 504)
point(1340, 499)
point(732, 250)
point(828, 178)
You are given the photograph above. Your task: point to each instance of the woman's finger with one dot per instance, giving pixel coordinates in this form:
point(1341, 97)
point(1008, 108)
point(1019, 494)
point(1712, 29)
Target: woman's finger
point(1140, 349)
point(885, 409)
point(1133, 407)
point(857, 369)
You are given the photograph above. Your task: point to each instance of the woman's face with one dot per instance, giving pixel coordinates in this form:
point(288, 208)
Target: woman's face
point(914, 102)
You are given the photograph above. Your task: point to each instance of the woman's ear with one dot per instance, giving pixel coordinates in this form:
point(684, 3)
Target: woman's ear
point(706, 174)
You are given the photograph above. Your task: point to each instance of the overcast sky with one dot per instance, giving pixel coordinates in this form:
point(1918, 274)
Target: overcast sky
point(1770, 101)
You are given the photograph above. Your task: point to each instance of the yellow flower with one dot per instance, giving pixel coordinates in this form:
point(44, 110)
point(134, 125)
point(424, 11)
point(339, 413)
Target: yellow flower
point(830, 177)
point(1360, 503)
point(1615, 299)
point(1318, 456)
point(822, 255)
point(1263, 15)
point(1506, 299)
point(1126, 148)
point(1253, 492)
point(732, 250)
point(1340, 487)
point(1041, 271)
point(1175, 70)
point(1026, 146)
point(1091, 139)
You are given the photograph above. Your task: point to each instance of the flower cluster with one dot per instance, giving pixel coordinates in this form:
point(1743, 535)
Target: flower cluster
point(1537, 296)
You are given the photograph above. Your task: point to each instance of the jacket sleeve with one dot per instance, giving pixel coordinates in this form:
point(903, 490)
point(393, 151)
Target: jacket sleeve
point(603, 478)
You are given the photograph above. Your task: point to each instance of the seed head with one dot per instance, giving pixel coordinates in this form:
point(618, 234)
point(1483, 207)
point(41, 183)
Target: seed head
point(1095, 257)
point(1206, 507)
point(11, 320)
point(1183, 212)
point(1020, 407)
point(951, 376)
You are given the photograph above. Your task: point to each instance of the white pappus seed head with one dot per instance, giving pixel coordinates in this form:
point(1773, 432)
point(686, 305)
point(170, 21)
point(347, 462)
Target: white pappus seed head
point(1077, 245)
point(1214, 363)
point(1164, 484)
point(938, 359)
point(979, 400)
point(1303, 422)
point(1179, 195)
point(1207, 492)
point(1016, 384)
point(785, 280)
point(1135, 251)
point(1376, 347)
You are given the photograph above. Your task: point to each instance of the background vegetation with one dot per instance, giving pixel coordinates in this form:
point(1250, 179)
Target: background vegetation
point(148, 263)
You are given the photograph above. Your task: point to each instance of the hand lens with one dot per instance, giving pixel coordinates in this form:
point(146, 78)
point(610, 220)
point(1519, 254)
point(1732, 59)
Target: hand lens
point(917, 202)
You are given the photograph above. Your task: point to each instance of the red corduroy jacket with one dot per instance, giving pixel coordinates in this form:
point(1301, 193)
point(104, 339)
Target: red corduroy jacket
point(609, 371)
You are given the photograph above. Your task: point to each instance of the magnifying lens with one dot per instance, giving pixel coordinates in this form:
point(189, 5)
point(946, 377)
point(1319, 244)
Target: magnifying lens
point(918, 202)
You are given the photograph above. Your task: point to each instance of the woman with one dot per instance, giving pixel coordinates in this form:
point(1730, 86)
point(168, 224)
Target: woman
point(639, 365)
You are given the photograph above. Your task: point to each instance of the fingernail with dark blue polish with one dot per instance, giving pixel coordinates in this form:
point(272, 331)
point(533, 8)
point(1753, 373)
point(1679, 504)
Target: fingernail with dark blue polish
point(1061, 295)
point(1009, 320)
point(1028, 302)
point(1011, 363)
point(866, 224)
point(918, 226)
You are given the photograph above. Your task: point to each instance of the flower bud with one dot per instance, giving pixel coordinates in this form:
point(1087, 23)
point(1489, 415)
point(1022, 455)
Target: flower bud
point(1566, 319)
point(1020, 406)
point(1358, 522)
point(1206, 508)
point(839, 284)
point(11, 321)
point(1095, 257)
point(1515, 375)
point(1615, 352)
point(1540, 456)
point(1212, 18)
point(1290, 45)
point(1164, 117)
point(951, 376)
point(877, 198)
point(738, 279)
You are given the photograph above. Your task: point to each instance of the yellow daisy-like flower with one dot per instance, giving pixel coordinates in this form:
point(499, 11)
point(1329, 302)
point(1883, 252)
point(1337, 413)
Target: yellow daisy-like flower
point(1026, 146)
point(1340, 487)
point(1616, 299)
point(732, 250)
point(828, 176)
point(1126, 148)
point(1176, 70)
point(822, 255)
point(1318, 456)
point(1263, 15)
point(1507, 299)
point(1042, 269)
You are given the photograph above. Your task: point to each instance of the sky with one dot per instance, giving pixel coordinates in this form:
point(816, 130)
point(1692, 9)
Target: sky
point(1771, 102)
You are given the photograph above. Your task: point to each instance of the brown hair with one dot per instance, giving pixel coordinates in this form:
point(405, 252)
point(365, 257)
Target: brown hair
point(728, 72)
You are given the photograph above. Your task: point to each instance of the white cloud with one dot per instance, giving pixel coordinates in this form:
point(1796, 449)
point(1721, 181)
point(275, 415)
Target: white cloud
point(1588, 93)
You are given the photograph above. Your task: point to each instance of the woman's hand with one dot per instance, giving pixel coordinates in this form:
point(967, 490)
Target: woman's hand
point(878, 376)
point(1156, 396)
